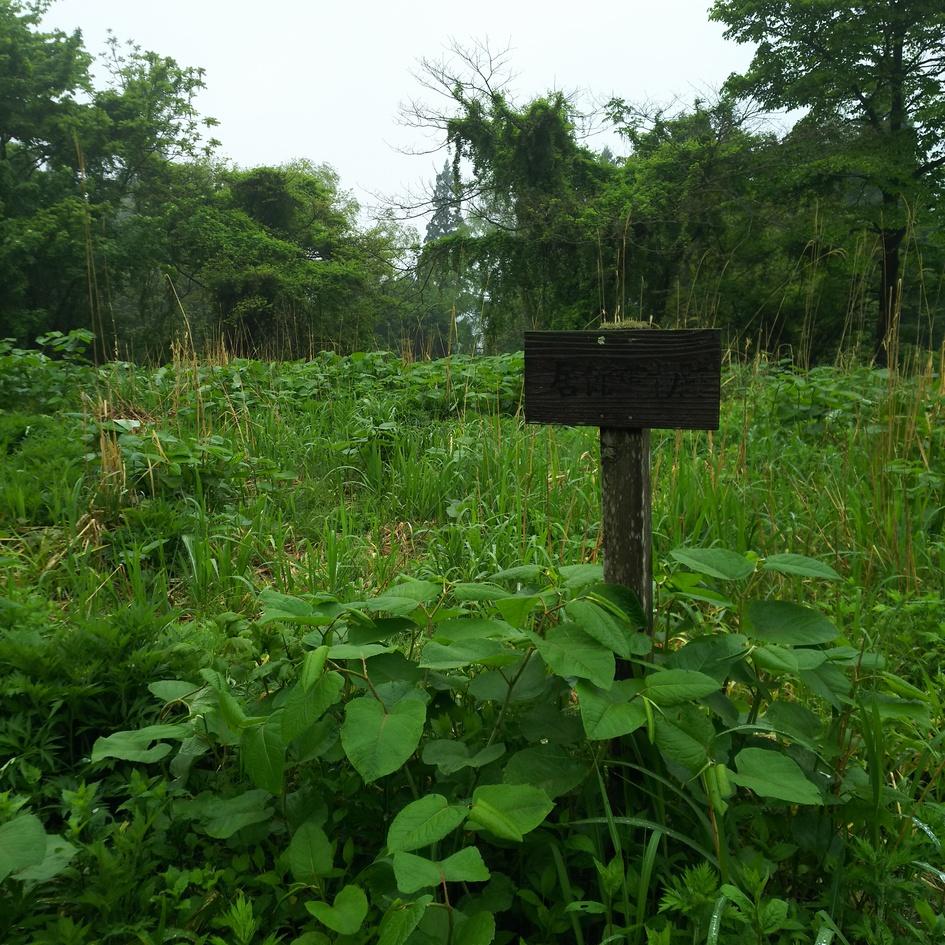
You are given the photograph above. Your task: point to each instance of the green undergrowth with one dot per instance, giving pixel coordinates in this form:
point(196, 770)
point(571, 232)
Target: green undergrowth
point(321, 652)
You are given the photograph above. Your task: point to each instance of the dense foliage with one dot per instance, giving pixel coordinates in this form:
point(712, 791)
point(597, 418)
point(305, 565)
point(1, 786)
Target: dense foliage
point(118, 216)
point(814, 238)
point(873, 79)
point(320, 651)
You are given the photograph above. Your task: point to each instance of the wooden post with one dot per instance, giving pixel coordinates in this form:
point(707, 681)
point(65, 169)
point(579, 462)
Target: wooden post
point(626, 382)
point(625, 508)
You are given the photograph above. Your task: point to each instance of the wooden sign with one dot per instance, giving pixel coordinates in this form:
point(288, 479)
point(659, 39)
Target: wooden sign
point(625, 381)
point(624, 378)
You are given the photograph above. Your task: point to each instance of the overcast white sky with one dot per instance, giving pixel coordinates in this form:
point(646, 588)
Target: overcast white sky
point(291, 79)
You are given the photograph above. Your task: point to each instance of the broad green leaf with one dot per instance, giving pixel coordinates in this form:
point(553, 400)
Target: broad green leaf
point(312, 667)
point(59, 854)
point(223, 817)
point(809, 658)
point(716, 656)
point(706, 595)
point(679, 746)
point(587, 907)
point(172, 690)
point(684, 735)
point(22, 844)
point(230, 711)
point(451, 756)
point(288, 609)
point(413, 872)
point(829, 682)
point(793, 719)
point(611, 713)
point(509, 810)
point(457, 629)
point(715, 562)
point(416, 872)
point(378, 740)
point(420, 591)
point(774, 915)
point(787, 623)
point(525, 684)
point(388, 603)
point(515, 610)
point(481, 652)
point(620, 601)
point(263, 754)
point(317, 740)
point(735, 895)
point(303, 708)
point(773, 774)
point(190, 750)
point(478, 929)
point(498, 895)
point(346, 914)
point(136, 745)
point(900, 687)
point(779, 659)
point(310, 854)
point(465, 866)
point(580, 575)
point(851, 656)
point(894, 707)
point(549, 767)
point(353, 651)
point(602, 626)
point(482, 591)
point(527, 573)
point(278, 606)
point(423, 822)
point(775, 659)
point(400, 920)
point(800, 565)
point(311, 938)
point(570, 652)
point(364, 629)
point(393, 668)
point(669, 687)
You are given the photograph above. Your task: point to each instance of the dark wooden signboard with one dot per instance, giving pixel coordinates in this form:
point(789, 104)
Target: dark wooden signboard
point(625, 381)
point(625, 378)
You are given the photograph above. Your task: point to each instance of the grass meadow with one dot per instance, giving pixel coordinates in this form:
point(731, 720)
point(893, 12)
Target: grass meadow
point(244, 559)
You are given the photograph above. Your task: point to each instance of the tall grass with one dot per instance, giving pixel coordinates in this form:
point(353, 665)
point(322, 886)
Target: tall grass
point(190, 485)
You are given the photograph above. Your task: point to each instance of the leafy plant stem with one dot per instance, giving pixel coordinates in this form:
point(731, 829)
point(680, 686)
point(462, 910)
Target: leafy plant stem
point(508, 698)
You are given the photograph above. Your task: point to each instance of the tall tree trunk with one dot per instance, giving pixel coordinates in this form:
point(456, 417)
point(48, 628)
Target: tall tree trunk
point(889, 287)
point(891, 237)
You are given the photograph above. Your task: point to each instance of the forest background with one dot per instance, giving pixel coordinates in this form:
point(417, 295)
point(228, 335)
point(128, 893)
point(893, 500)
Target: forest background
point(313, 646)
point(119, 216)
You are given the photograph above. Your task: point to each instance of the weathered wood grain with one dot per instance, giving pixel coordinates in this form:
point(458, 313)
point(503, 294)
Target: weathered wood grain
point(626, 516)
point(624, 378)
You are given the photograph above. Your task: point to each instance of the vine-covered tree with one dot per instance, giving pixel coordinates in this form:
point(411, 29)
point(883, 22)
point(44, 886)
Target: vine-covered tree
point(526, 181)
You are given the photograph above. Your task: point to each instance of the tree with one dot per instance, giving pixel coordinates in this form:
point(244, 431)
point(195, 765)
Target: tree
point(274, 258)
point(447, 214)
point(42, 217)
point(872, 74)
point(530, 185)
point(79, 167)
point(686, 198)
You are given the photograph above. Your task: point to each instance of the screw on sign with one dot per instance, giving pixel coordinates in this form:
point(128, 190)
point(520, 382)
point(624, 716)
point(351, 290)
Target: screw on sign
point(625, 381)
